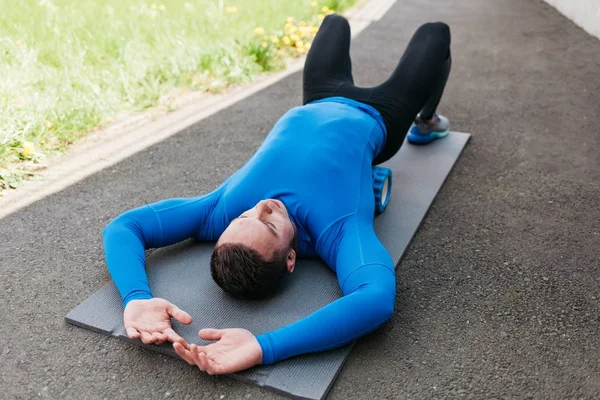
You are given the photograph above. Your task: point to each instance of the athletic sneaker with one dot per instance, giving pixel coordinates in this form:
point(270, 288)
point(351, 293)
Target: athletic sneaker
point(426, 132)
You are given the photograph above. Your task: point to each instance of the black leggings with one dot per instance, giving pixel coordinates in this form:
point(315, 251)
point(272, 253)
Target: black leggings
point(416, 85)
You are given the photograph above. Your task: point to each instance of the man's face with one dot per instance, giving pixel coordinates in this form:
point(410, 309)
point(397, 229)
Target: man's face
point(265, 228)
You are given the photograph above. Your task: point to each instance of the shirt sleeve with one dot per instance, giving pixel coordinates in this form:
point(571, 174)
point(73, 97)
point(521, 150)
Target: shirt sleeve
point(367, 278)
point(156, 225)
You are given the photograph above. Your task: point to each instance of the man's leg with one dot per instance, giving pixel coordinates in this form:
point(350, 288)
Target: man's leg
point(416, 85)
point(328, 66)
point(429, 125)
point(428, 111)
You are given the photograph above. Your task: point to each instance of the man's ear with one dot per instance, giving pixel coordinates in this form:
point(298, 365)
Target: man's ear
point(291, 260)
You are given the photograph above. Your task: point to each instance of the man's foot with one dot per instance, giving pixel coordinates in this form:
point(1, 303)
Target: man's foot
point(423, 132)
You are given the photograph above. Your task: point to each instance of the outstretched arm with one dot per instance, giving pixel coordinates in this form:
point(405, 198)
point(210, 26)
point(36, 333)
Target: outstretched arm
point(367, 278)
point(366, 275)
point(156, 225)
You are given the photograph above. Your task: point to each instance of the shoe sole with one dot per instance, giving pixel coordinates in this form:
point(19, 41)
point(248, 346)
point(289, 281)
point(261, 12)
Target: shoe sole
point(426, 139)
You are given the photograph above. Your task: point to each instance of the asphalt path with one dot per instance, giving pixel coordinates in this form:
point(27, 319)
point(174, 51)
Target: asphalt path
point(498, 294)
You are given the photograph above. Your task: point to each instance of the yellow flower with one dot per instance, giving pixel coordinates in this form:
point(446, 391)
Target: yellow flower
point(314, 29)
point(265, 44)
point(286, 40)
point(325, 9)
point(330, 12)
point(300, 50)
point(162, 8)
point(299, 43)
point(153, 6)
point(307, 46)
point(304, 31)
point(302, 23)
point(295, 38)
point(19, 42)
point(290, 19)
point(265, 38)
point(275, 39)
point(320, 16)
point(293, 29)
point(231, 9)
point(28, 149)
point(314, 4)
point(259, 31)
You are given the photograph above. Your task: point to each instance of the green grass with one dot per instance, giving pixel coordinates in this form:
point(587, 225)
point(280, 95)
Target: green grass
point(69, 66)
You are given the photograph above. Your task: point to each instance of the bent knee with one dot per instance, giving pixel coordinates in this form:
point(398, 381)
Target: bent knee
point(336, 20)
point(438, 30)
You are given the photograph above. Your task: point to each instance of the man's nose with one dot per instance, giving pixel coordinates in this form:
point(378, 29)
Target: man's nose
point(264, 208)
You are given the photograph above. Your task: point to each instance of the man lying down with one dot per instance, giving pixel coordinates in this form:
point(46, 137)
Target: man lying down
point(307, 191)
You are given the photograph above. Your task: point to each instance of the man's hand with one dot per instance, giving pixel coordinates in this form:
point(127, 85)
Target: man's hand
point(150, 320)
point(236, 350)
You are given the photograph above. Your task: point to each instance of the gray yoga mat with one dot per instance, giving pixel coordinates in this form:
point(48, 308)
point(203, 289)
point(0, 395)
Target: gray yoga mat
point(180, 273)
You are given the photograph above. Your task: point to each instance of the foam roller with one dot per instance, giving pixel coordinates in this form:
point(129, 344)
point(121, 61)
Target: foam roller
point(382, 188)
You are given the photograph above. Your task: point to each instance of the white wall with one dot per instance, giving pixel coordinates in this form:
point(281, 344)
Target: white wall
point(585, 13)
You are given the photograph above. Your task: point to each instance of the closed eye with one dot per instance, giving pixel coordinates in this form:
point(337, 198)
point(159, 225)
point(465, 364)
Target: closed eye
point(272, 227)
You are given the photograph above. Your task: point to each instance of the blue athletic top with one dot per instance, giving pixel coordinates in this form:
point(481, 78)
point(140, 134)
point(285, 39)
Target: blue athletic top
point(317, 160)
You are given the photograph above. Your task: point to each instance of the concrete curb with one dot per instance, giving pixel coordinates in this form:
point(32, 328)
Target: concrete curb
point(108, 146)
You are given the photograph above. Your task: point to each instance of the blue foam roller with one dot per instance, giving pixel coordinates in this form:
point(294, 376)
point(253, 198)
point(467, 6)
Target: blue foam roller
point(382, 188)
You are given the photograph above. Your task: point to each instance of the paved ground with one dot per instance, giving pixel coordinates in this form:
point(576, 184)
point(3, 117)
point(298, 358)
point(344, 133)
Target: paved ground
point(498, 295)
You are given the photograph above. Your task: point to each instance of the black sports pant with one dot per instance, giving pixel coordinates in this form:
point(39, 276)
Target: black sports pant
point(416, 85)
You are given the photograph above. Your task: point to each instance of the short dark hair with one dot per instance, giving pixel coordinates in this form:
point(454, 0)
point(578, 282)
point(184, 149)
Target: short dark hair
point(244, 273)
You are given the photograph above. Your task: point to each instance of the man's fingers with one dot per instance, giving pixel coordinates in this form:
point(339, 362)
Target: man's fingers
point(162, 338)
point(203, 349)
point(158, 337)
point(179, 314)
point(204, 362)
point(216, 369)
point(210, 366)
point(210, 334)
point(146, 338)
point(132, 333)
point(186, 355)
point(199, 358)
point(195, 357)
point(173, 337)
point(184, 344)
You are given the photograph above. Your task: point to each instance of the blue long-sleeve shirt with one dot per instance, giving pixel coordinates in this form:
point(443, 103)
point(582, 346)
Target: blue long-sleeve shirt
point(317, 160)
